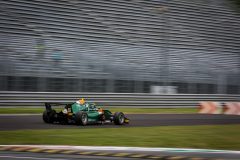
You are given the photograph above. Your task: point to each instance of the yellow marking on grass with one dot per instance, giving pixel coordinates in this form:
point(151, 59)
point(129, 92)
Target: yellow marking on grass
point(176, 158)
point(52, 151)
point(68, 152)
point(85, 153)
point(154, 157)
point(121, 154)
point(36, 150)
point(138, 155)
point(101, 154)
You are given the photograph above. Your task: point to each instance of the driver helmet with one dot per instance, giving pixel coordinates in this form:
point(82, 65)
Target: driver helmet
point(82, 101)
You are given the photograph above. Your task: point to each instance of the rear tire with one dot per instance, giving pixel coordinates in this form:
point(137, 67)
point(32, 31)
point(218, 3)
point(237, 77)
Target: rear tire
point(119, 118)
point(81, 118)
point(49, 116)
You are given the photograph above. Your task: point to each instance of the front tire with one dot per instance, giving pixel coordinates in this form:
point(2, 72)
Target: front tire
point(49, 116)
point(81, 118)
point(119, 118)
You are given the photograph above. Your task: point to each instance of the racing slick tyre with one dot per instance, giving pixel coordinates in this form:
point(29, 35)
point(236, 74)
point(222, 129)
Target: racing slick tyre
point(81, 118)
point(49, 116)
point(119, 118)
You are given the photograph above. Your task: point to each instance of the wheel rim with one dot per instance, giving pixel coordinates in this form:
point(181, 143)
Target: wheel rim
point(121, 119)
point(84, 118)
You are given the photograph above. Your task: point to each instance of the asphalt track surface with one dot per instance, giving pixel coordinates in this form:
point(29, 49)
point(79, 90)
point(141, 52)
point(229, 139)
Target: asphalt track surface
point(17, 122)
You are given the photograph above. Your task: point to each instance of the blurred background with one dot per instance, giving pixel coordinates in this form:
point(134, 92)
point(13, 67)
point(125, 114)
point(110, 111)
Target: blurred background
point(120, 46)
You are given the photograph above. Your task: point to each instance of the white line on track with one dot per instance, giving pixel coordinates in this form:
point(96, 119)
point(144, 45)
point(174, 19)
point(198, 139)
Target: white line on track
point(37, 158)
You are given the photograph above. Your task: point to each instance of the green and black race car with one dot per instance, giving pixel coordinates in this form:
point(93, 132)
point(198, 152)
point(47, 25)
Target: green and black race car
point(82, 113)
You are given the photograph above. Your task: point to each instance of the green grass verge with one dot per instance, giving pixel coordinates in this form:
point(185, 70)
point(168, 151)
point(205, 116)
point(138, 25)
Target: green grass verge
point(208, 137)
point(22, 110)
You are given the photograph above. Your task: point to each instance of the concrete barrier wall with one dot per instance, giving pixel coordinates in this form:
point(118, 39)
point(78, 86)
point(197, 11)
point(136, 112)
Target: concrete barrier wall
point(136, 100)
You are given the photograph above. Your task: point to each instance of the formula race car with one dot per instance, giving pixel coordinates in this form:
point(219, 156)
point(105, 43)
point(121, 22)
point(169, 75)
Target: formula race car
point(82, 113)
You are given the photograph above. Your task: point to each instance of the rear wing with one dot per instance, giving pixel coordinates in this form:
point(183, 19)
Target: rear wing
point(48, 106)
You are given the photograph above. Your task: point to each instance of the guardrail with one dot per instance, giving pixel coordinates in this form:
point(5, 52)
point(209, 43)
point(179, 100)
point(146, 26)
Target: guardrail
point(137, 100)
